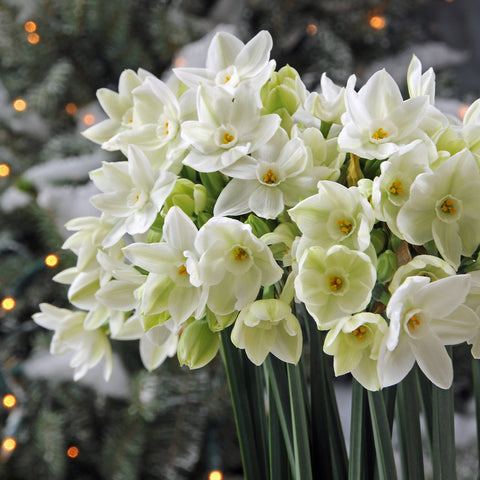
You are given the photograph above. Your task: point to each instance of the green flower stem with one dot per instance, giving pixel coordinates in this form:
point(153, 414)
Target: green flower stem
point(476, 391)
point(253, 463)
point(358, 466)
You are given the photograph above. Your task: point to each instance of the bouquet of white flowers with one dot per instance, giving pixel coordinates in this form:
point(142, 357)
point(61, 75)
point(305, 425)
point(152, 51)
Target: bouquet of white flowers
point(250, 212)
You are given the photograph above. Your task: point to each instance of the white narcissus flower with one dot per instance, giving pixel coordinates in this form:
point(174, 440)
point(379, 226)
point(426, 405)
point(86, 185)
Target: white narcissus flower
point(443, 206)
point(424, 317)
point(268, 326)
point(335, 215)
point(233, 263)
point(391, 189)
point(471, 129)
point(156, 345)
point(420, 84)
point(132, 192)
point(377, 119)
point(354, 343)
point(276, 175)
point(228, 128)
point(334, 283)
point(171, 263)
point(230, 63)
point(88, 346)
point(119, 108)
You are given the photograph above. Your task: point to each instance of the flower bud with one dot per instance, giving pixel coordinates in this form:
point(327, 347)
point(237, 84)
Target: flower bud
point(217, 323)
point(259, 227)
point(379, 239)
point(189, 196)
point(198, 345)
point(281, 91)
point(387, 266)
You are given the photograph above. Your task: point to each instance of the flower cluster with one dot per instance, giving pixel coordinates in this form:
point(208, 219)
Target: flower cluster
point(243, 194)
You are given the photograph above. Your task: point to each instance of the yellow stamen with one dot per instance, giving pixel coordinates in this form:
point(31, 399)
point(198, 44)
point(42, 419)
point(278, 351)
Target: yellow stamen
point(227, 138)
point(413, 322)
point(239, 254)
point(345, 226)
point(335, 283)
point(166, 128)
point(182, 270)
point(396, 188)
point(360, 332)
point(379, 134)
point(136, 198)
point(269, 177)
point(227, 78)
point(447, 206)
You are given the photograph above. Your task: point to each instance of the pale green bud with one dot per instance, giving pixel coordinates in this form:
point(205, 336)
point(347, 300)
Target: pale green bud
point(217, 323)
point(386, 266)
point(190, 197)
point(197, 345)
point(281, 91)
point(259, 227)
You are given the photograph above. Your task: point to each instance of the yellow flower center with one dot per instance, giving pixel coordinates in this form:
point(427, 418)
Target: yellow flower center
point(380, 134)
point(182, 270)
point(413, 322)
point(360, 332)
point(269, 177)
point(227, 78)
point(227, 138)
point(335, 283)
point(345, 226)
point(447, 206)
point(239, 254)
point(396, 188)
point(136, 198)
point(166, 128)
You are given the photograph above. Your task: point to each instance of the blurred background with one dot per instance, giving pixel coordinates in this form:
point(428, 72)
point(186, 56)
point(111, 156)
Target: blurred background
point(170, 424)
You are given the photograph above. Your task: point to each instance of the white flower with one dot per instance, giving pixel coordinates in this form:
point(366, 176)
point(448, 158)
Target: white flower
point(420, 84)
point(443, 206)
point(132, 193)
point(424, 317)
point(471, 129)
point(89, 346)
point(233, 263)
point(377, 120)
point(268, 326)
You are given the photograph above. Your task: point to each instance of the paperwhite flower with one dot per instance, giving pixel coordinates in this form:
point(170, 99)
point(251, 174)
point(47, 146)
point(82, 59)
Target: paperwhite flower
point(424, 317)
point(377, 119)
point(156, 345)
point(89, 346)
point(132, 193)
point(443, 206)
point(233, 263)
point(420, 84)
point(334, 283)
point(268, 326)
point(471, 129)
point(230, 62)
point(228, 128)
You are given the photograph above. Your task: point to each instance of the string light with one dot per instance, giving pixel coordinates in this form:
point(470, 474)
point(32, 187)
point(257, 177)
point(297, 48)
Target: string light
point(73, 452)
point(30, 26)
point(71, 108)
point(89, 119)
point(9, 400)
point(462, 111)
point(20, 105)
point(180, 62)
point(51, 260)
point(8, 303)
point(9, 444)
point(377, 22)
point(215, 475)
point(312, 29)
point(33, 38)
point(4, 170)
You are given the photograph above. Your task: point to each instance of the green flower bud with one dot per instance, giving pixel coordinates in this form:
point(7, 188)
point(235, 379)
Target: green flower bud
point(197, 345)
point(387, 266)
point(217, 323)
point(190, 197)
point(281, 91)
point(259, 226)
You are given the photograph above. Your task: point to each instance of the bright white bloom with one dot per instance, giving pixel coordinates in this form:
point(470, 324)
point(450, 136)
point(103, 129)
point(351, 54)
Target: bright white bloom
point(391, 189)
point(228, 128)
point(170, 263)
point(119, 107)
point(278, 174)
point(230, 62)
point(334, 283)
point(443, 206)
point(156, 345)
point(354, 343)
point(268, 326)
point(424, 317)
point(471, 129)
point(88, 346)
point(377, 119)
point(335, 215)
point(420, 84)
point(233, 263)
point(132, 192)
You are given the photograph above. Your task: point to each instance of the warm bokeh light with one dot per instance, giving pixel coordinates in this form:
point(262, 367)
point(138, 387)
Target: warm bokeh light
point(89, 119)
point(8, 303)
point(180, 62)
point(377, 22)
point(51, 260)
point(462, 111)
point(215, 475)
point(73, 452)
point(9, 444)
point(71, 108)
point(20, 105)
point(312, 29)
point(33, 38)
point(4, 170)
point(30, 26)
point(9, 401)
point(449, 1)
